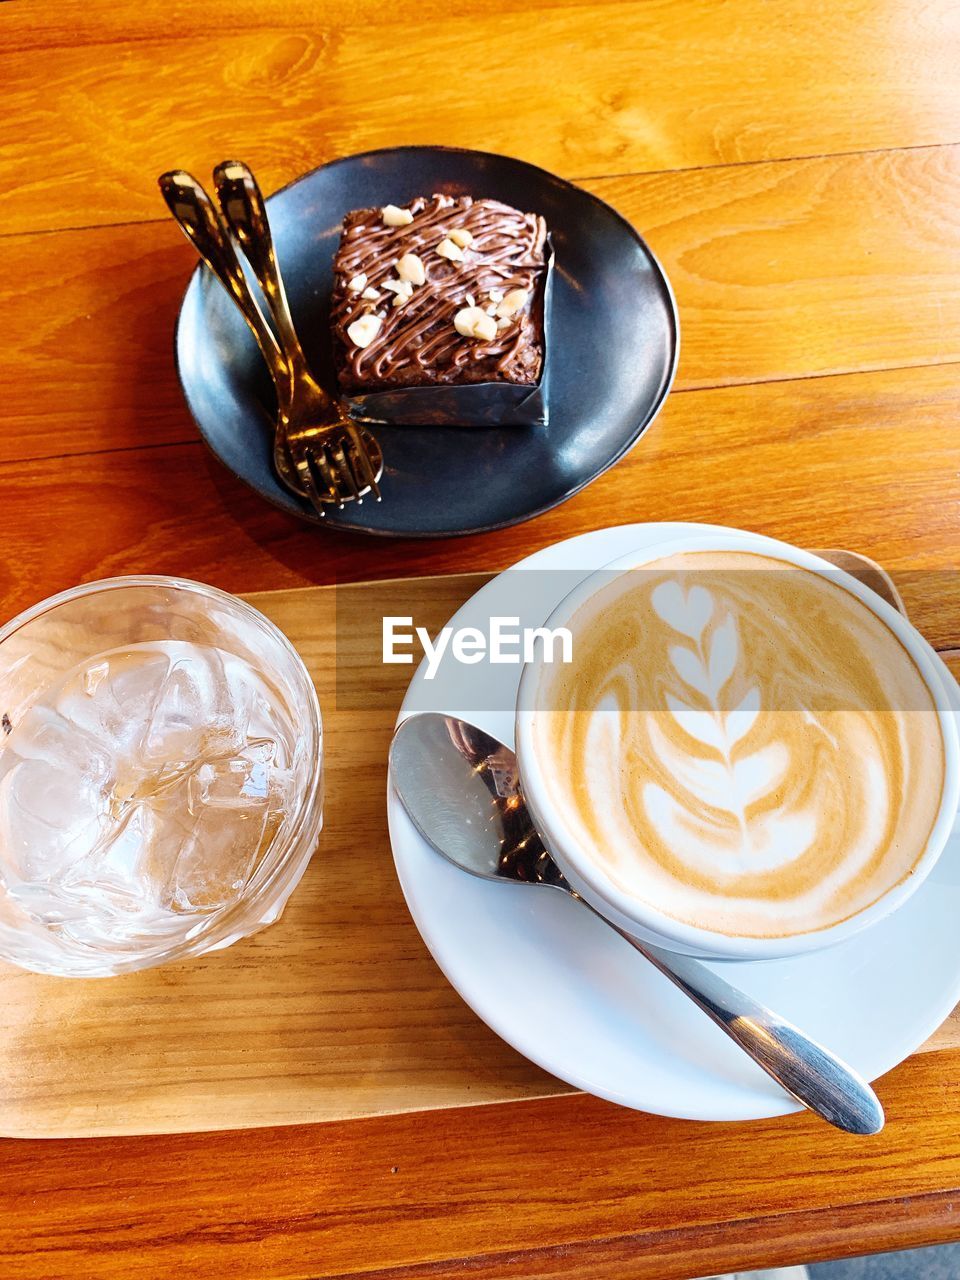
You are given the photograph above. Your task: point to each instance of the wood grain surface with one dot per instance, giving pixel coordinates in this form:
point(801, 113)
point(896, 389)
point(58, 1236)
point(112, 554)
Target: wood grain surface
point(866, 461)
point(796, 168)
point(592, 90)
point(568, 1187)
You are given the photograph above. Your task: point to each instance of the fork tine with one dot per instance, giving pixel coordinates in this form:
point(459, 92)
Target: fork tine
point(318, 461)
point(313, 494)
point(355, 462)
point(367, 474)
point(344, 470)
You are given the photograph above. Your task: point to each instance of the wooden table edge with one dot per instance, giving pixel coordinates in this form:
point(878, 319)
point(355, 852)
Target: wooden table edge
point(744, 1244)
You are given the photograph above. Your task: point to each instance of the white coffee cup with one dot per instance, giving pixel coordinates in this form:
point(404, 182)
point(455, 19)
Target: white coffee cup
point(643, 919)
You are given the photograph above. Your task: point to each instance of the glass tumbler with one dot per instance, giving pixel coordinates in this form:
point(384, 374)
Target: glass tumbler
point(161, 784)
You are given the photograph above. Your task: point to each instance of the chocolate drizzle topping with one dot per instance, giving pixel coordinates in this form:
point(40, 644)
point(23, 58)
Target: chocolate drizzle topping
point(417, 343)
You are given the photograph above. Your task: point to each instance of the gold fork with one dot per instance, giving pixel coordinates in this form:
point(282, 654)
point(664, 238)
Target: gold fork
point(319, 453)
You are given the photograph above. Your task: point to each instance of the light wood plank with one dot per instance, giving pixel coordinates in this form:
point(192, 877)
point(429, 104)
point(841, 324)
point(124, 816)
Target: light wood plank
point(109, 21)
point(780, 270)
point(569, 1187)
point(612, 88)
point(92, 369)
point(811, 266)
point(865, 461)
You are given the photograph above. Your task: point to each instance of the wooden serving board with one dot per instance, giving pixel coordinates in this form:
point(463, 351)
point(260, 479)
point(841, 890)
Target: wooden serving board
point(334, 1012)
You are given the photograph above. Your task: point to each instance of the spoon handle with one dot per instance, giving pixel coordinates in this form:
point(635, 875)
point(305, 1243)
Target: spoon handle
point(201, 224)
point(809, 1072)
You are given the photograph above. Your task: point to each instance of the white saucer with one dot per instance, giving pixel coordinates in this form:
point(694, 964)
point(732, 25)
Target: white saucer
point(565, 991)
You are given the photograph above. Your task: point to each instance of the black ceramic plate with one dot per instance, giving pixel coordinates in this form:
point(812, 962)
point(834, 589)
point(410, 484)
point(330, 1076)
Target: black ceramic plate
point(612, 354)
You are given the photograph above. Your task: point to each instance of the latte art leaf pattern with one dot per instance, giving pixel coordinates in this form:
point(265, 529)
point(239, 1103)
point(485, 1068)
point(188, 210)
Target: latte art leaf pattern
point(705, 666)
point(740, 720)
point(744, 747)
point(687, 612)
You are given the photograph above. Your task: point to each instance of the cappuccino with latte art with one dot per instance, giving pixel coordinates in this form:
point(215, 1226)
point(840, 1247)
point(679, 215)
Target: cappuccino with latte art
point(740, 743)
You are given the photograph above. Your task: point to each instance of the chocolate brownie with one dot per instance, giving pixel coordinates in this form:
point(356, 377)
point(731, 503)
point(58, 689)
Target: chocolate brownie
point(442, 291)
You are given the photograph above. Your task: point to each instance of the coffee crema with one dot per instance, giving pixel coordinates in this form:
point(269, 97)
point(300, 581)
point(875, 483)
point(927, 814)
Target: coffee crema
point(741, 744)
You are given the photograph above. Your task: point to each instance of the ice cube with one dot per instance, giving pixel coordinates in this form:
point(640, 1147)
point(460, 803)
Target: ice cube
point(240, 782)
point(196, 712)
point(116, 865)
point(113, 698)
point(122, 883)
point(228, 850)
point(93, 677)
point(54, 795)
point(215, 824)
point(45, 735)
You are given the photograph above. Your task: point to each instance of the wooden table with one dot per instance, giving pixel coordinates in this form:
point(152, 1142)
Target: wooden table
point(797, 170)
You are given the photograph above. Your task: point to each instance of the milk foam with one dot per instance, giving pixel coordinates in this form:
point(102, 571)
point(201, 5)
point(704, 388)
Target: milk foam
point(741, 744)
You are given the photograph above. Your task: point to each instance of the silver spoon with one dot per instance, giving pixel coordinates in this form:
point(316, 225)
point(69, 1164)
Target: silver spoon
point(461, 788)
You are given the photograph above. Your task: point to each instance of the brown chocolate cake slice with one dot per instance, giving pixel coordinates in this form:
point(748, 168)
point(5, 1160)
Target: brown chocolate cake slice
point(441, 291)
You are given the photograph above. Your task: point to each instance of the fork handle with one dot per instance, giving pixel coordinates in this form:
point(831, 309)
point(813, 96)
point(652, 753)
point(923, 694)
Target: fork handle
point(245, 212)
point(202, 225)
